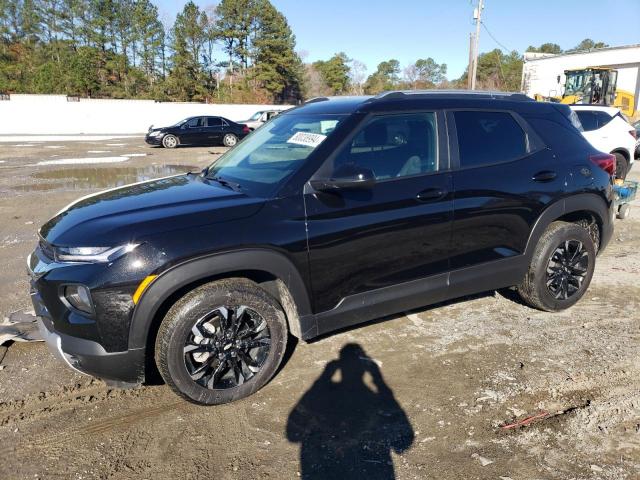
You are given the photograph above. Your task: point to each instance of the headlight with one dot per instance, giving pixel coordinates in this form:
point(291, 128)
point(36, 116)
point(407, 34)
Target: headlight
point(92, 254)
point(155, 134)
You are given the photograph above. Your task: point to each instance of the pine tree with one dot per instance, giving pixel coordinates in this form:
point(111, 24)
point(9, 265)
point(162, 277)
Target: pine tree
point(188, 39)
point(278, 67)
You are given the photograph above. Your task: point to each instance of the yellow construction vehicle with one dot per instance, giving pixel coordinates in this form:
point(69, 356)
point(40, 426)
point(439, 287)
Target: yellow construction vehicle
point(596, 86)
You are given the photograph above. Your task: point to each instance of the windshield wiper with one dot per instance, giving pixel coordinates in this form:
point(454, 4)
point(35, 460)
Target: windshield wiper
point(226, 183)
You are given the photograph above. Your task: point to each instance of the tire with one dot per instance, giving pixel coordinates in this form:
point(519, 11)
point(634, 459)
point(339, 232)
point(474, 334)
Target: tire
point(622, 166)
point(623, 211)
point(170, 141)
point(535, 291)
point(228, 375)
point(230, 140)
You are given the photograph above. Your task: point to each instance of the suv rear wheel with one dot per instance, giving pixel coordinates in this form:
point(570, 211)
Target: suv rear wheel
point(561, 268)
point(221, 342)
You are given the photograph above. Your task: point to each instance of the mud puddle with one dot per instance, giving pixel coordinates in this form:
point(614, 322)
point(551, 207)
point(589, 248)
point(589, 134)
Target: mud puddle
point(99, 177)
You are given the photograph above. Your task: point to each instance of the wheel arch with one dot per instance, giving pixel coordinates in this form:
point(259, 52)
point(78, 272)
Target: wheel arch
point(622, 151)
point(270, 269)
point(571, 209)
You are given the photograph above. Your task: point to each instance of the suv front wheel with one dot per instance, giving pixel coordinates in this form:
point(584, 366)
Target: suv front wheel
point(561, 268)
point(221, 342)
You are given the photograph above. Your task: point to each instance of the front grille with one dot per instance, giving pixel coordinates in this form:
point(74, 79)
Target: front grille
point(47, 249)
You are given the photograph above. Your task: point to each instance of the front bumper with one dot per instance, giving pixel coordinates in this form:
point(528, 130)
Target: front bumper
point(95, 344)
point(153, 140)
point(89, 357)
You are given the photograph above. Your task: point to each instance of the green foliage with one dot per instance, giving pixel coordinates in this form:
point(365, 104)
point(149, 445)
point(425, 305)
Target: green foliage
point(425, 73)
point(386, 77)
point(278, 67)
point(588, 44)
point(545, 48)
point(335, 73)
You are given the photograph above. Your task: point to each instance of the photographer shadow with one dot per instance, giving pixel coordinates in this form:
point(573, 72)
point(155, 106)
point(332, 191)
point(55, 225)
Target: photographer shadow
point(347, 427)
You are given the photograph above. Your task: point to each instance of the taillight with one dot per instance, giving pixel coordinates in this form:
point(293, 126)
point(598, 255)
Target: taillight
point(246, 129)
point(605, 161)
point(634, 134)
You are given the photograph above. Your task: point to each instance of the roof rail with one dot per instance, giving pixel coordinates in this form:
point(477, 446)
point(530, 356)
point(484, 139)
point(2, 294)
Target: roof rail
point(397, 94)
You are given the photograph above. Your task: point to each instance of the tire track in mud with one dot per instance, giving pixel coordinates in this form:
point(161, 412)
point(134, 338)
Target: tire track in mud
point(44, 409)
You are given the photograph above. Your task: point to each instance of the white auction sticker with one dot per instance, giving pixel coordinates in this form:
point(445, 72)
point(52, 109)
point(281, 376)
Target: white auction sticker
point(307, 139)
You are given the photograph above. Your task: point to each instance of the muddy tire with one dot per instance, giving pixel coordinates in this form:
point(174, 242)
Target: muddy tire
point(561, 268)
point(229, 140)
point(622, 166)
point(221, 342)
point(170, 141)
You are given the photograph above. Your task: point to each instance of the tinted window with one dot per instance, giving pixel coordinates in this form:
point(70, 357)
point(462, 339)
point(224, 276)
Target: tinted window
point(214, 122)
point(488, 137)
point(394, 146)
point(195, 122)
point(588, 120)
point(602, 118)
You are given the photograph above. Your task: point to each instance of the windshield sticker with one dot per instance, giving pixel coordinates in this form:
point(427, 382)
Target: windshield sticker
point(307, 139)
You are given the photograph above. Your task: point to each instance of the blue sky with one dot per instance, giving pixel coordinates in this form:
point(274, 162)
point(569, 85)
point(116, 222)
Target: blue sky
point(376, 30)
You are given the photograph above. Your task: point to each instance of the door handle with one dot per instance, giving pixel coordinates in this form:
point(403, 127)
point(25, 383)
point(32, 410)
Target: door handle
point(545, 176)
point(431, 194)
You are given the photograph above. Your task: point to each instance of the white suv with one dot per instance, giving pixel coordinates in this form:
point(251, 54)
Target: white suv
point(608, 131)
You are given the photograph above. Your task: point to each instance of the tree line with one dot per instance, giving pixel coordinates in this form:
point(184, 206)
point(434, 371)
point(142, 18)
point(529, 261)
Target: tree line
point(237, 51)
point(121, 49)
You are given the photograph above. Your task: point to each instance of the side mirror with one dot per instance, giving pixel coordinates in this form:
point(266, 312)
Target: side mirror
point(347, 177)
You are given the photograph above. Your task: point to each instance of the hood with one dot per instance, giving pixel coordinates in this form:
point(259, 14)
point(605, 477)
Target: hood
point(132, 212)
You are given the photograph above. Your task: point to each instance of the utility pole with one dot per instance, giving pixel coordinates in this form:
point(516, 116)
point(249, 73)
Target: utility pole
point(471, 56)
point(477, 16)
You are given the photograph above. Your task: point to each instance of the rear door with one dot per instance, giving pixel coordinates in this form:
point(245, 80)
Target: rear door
point(503, 177)
point(212, 132)
point(398, 230)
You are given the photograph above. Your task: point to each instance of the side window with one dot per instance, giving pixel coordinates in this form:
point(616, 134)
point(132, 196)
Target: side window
point(588, 120)
point(194, 122)
point(394, 146)
point(488, 137)
point(602, 118)
point(214, 122)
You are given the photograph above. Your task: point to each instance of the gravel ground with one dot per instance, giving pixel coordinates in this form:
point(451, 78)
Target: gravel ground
point(422, 395)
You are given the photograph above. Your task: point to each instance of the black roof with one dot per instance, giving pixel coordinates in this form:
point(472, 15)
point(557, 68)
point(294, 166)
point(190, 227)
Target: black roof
point(399, 99)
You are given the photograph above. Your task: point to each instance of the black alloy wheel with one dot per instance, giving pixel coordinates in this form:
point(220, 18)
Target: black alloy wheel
point(227, 347)
point(567, 269)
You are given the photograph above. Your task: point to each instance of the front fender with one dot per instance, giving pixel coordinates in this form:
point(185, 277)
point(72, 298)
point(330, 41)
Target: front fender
point(193, 270)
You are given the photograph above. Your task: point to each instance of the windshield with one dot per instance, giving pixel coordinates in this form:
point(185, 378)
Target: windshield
point(577, 82)
point(267, 157)
point(256, 116)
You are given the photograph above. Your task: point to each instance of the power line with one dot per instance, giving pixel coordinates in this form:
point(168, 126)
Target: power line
point(495, 39)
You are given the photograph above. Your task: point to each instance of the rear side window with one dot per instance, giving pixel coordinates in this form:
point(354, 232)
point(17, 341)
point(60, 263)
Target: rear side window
point(488, 137)
point(593, 119)
point(214, 122)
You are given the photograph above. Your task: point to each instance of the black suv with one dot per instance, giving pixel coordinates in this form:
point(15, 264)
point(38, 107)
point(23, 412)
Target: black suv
point(334, 213)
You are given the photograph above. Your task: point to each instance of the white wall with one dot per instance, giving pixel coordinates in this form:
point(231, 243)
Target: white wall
point(53, 114)
point(540, 72)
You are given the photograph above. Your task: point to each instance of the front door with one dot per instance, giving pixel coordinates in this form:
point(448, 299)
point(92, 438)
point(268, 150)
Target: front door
point(394, 232)
point(193, 131)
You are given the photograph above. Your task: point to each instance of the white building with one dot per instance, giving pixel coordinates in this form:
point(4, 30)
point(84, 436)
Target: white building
point(543, 73)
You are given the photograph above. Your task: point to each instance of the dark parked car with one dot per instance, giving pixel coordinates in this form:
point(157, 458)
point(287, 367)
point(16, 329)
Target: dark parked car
point(337, 212)
point(198, 131)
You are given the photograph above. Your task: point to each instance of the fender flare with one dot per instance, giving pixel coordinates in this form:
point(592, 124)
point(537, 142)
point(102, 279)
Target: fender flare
point(190, 271)
point(589, 202)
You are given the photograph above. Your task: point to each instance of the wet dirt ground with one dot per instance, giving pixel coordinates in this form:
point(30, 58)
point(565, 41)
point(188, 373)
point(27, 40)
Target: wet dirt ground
point(422, 395)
